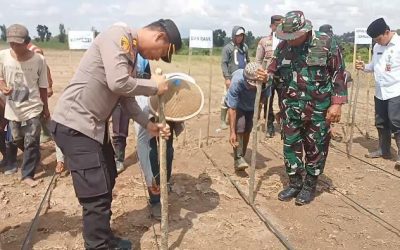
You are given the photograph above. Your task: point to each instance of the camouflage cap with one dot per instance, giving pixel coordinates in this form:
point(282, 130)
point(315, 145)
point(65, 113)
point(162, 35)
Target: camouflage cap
point(250, 73)
point(326, 28)
point(294, 25)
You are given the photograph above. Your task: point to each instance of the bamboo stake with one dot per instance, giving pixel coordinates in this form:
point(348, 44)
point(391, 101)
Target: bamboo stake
point(209, 100)
point(254, 148)
point(346, 138)
point(349, 111)
point(163, 173)
point(368, 96)
point(350, 142)
point(190, 64)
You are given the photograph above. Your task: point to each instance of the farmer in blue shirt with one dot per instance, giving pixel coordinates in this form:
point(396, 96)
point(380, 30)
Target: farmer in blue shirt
point(240, 100)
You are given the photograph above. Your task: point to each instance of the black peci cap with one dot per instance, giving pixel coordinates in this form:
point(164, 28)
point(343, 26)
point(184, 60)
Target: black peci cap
point(174, 38)
point(276, 18)
point(377, 28)
point(326, 28)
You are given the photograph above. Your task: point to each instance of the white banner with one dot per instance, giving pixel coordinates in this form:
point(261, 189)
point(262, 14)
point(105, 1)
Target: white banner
point(201, 39)
point(361, 36)
point(78, 39)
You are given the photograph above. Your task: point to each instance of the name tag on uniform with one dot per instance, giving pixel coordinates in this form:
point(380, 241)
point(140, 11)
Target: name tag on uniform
point(285, 61)
point(379, 53)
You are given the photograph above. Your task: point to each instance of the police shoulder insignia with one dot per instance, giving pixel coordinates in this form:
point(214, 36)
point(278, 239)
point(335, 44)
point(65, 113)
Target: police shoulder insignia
point(124, 43)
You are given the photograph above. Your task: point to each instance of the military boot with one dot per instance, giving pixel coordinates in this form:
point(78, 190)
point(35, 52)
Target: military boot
point(384, 145)
point(295, 185)
point(224, 112)
point(307, 193)
point(238, 154)
point(397, 139)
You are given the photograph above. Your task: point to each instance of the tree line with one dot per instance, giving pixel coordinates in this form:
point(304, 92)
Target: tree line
point(220, 38)
point(44, 35)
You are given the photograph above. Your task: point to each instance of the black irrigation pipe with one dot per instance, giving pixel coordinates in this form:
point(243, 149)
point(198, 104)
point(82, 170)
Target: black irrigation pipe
point(334, 147)
point(381, 221)
point(32, 228)
point(266, 221)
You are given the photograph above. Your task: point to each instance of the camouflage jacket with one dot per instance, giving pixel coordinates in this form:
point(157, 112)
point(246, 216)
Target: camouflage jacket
point(311, 72)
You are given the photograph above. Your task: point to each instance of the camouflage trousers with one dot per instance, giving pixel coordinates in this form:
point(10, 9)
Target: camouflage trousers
point(305, 130)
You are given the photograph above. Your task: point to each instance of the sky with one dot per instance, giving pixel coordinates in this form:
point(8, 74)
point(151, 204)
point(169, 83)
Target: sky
point(254, 15)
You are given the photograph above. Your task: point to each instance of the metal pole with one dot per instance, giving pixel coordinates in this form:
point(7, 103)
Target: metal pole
point(163, 173)
point(209, 99)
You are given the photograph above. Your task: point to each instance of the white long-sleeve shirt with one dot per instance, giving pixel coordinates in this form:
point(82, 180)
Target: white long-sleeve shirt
point(386, 67)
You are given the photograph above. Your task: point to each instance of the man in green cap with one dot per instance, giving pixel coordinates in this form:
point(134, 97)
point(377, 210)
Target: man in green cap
point(313, 91)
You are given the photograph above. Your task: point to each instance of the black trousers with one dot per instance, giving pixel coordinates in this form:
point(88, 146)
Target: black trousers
point(387, 114)
point(93, 174)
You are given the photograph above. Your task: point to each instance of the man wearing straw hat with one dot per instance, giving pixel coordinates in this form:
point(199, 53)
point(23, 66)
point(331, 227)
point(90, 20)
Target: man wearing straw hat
point(240, 100)
point(385, 65)
point(313, 92)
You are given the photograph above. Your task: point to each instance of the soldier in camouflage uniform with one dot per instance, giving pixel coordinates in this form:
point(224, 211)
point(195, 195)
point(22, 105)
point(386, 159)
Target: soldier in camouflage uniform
point(263, 56)
point(313, 92)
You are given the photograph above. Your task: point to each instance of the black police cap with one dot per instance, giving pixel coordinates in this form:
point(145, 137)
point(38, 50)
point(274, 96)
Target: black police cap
point(174, 38)
point(377, 28)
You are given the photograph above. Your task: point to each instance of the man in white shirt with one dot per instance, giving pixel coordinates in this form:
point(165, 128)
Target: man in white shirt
point(385, 65)
point(23, 79)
